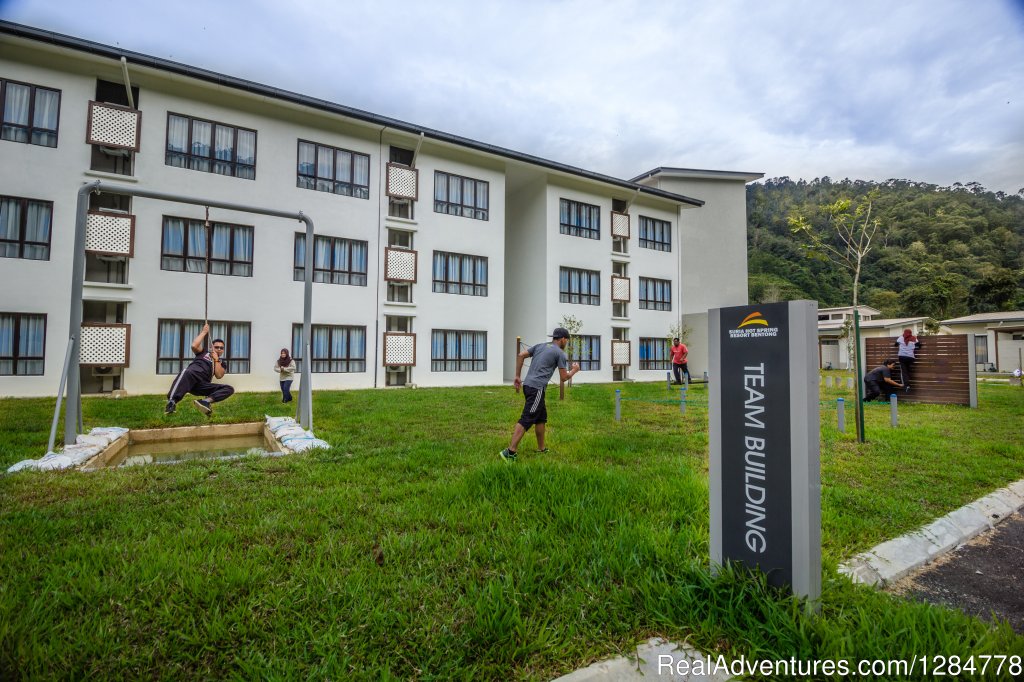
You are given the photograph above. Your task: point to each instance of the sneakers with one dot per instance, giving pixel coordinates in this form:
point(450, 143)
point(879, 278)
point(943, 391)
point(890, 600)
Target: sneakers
point(543, 450)
point(204, 406)
point(171, 407)
point(508, 456)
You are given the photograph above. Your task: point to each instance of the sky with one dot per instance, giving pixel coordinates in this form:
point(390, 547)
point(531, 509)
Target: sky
point(924, 90)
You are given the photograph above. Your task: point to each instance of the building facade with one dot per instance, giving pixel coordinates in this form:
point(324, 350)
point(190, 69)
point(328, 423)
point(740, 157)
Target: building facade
point(432, 253)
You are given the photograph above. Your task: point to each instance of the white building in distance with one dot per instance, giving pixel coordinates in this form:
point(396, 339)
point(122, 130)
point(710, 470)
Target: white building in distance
point(432, 253)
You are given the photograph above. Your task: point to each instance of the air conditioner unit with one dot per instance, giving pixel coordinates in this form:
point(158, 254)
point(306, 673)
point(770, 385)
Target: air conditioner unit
point(106, 258)
point(391, 369)
point(115, 151)
point(106, 371)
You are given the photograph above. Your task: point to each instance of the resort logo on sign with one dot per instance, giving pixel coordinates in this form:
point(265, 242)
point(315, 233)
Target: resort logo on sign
point(756, 327)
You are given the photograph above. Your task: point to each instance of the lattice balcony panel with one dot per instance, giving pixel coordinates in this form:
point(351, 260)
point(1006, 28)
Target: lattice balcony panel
point(620, 353)
point(620, 225)
point(105, 345)
point(403, 182)
point(620, 288)
point(111, 234)
point(400, 265)
point(114, 126)
point(399, 349)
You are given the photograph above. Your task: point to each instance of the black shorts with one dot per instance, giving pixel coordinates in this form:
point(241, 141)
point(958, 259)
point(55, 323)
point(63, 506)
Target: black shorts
point(534, 411)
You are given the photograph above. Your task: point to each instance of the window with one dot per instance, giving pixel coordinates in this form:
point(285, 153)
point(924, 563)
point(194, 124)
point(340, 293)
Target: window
point(458, 351)
point(456, 195)
point(456, 273)
point(185, 242)
point(25, 228)
point(335, 260)
point(654, 354)
point(210, 147)
point(579, 219)
point(174, 344)
point(335, 348)
point(22, 344)
point(980, 349)
point(329, 169)
point(29, 113)
point(579, 286)
point(585, 350)
point(655, 234)
point(655, 294)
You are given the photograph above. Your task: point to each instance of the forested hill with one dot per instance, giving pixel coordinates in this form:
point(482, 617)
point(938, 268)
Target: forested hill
point(941, 251)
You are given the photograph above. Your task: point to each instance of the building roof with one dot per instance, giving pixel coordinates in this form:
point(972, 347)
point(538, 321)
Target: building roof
point(699, 174)
point(139, 59)
point(862, 308)
point(986, 318)
point(828, 326)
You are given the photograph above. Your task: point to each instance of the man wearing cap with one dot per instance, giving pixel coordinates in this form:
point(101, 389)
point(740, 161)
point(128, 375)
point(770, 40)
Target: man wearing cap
point(546, 357)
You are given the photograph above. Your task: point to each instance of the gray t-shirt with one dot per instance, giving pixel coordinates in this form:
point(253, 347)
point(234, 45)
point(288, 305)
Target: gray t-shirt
point(546, 357)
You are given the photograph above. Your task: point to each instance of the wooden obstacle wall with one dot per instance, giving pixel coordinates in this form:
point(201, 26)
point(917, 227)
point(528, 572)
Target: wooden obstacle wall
point(943, 373)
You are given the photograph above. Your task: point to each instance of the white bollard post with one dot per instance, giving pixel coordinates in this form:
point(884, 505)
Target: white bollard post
point(618, 405)
point(841, 414)
point(682, 400)
point(893, 417)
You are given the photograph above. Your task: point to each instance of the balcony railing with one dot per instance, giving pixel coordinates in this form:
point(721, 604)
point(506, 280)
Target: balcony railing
point(620, 288)
point(400, 265)
point(620, 353)
point(115, 126)
point(403, 181)
point(110, 234)
point(105, 345)
point(620, 225)
point(399, 349)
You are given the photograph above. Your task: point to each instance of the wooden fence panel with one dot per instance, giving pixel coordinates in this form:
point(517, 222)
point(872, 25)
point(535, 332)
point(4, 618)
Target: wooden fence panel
point(942, 373)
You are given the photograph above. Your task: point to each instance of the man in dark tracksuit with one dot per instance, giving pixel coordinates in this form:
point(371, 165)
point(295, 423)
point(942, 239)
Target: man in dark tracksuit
point(546, 357)
point(197, 378)
point(876, 379)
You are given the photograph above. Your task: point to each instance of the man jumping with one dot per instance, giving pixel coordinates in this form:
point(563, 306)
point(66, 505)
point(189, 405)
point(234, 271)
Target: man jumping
point(197, 378)
point(546, 356)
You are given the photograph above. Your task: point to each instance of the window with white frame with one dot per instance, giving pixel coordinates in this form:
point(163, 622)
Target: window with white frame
point(335, 348)
point(336, 260)
point(457, 195)
point(654, 353)
point(25, 228)
point(330, 169)
point(579, 286)
point(174, 344)
point(210, 147)
point(22, 344)
point(655, 294)
point(655, 234)
point(29, 113)
point(585, 350)
point(457, 273)
point(186, 242)
point(578, 219)
point(453, 350)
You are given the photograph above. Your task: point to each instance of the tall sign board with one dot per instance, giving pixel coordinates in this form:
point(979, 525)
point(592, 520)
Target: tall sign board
point(764, 442)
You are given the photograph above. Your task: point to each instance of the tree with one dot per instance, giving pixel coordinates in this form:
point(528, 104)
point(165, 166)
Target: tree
point(574, 349)
point(854, 228)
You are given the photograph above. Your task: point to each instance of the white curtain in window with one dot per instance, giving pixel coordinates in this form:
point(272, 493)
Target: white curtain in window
point(243, 244)
point(177, 133)
point(362, 170)
point(16, 104)
point(174, 237)
point(196, 247)
point(201, 131)
point(357, 343)
point(220, 246)
point(246, 152)
point(30, 338)
point(322, 253)
point(238, 345)
point(224, 143)
point(440, 186)
point(47, 105)
point(6, 336)
point(169, 341)
point(344, 166)
point(482, 195)
point(307, 158)
point(359, 250)
point(481, 271)
point(325, 163)
point(10, 227)
point(321, 342)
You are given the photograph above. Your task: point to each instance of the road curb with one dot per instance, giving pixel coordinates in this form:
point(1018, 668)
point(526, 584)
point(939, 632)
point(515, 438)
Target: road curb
point(654, 659)
point(893, 559)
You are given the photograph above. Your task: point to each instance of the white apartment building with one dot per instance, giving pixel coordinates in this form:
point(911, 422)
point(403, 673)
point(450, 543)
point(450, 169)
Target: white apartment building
point(432, 252)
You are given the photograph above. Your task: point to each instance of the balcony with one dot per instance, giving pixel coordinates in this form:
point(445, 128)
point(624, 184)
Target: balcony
point(620, 225)
point(399, 349)
point(620, 289)
point(110, 233)
point(621, 351)
point(105, 345)
point(114, 126)
point(400, 265)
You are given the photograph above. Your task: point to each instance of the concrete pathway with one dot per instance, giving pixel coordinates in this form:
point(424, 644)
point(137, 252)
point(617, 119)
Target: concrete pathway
point(654, 660)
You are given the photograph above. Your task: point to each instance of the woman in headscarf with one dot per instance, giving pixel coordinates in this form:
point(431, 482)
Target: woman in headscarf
point(285, 369)
point(907, 345)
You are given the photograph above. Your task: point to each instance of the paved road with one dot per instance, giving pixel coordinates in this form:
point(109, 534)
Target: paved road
point(982, 578)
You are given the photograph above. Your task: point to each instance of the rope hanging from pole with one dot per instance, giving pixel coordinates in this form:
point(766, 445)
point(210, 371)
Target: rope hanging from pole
point(206, 274)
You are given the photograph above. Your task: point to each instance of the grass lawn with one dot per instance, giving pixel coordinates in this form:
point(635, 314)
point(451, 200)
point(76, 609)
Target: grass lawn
point(410, 550)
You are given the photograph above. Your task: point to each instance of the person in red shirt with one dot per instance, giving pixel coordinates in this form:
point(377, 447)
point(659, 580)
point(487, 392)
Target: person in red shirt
point(679, 366)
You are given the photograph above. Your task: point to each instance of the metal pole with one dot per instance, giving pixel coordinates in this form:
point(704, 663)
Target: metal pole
point(893, 417)
point(618, 405)
point(305, 407)
point(73, 414)
point(682, 400)
point(841, 414)
point(859, 414)
point(60, 396)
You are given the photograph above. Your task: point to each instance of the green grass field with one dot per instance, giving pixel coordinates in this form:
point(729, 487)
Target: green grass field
point(410, 550)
